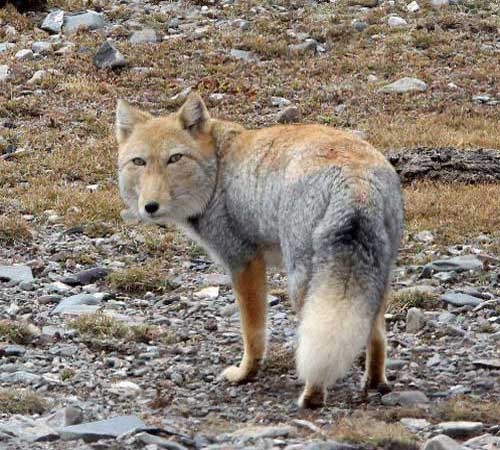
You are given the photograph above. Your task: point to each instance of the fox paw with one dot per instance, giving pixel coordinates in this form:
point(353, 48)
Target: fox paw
point(312, 398)
point(235, 374)
point(382, 387)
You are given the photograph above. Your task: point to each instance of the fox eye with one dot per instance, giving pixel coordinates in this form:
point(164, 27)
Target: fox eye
point(139, 162)
point(174, 158)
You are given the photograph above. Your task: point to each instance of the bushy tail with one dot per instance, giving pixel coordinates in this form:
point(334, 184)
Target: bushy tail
point(335, 326)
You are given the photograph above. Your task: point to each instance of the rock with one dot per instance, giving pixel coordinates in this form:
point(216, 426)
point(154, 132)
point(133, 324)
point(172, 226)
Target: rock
point(42, 47)
point(241, 23)
point(229, 310)
point(88, 276)
point(28, 429)
point(457, 264)
point(324, 445)
point(5, 46)
point(157, 442)
point(457, 299)
point(210, 292)
point(89, 20)
point(108, 57)
point(415, 320)
point(365, 3)
point(262, 432)
point(17, 273)
point(145, 36)
point(4, 72)
point(486, 441)
point(359, 25)
point(396, 364)
point(441, 442)
point(309, 46)
point(59, 287)
point(460, 429)
point(425, 289)
point(487, 363)
point(404, 85)
point(446, 277)
point(243, 55)
point(13, 350)
point(20, 377)
point(53, 22)
point(27, 286)
point(439, 3)
point(289, 115)
point(102, 429)
point(412, 7)
point(425, 236)
point(280, 101)
point(125, 389)
point(404, 398)
point(182, 96)
point(24, 54)
point(78, 304)
point(415, 425)
point(38, 77)
point(70, 415)
point(397, 22)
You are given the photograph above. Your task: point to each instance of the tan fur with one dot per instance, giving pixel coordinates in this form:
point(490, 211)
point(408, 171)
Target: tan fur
point(250, 289)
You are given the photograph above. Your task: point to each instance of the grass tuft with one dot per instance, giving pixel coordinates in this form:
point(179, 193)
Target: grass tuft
point(14, 230)
point(401, 302)
point(469, 410)
point(138, 280)
point(15, 332)
point(17, 401)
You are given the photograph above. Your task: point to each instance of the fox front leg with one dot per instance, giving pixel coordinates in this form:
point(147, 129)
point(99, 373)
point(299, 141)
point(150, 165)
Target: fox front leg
point(249, 286)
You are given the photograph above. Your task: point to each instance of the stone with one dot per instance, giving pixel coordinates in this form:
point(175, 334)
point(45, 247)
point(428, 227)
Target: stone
point(182, 96)
point(485, 441)
point(289, 115)
point(243, 55)
point(89, 20)
point(53, 22)
point(20, 377)
point(324, 445)
point(13, 350)
point(28, 430)
point(457, 264)
point(5, 46)
point(108, 57)
point(4, 72)
point(446, 277)
point(262, 432)
point(280, 101)
point(42, 47)
point(125, 389)
point(415, 425)
point(211, 292)
point(404, 398)
point(145, 36)
point(460, 429)
point(102, 429)
point(78, 304)
point(458, 299)
point(439, 3)
point(90, 276)
point(397, 22)
point(63, 417)
point(415, 320)
point(364, 3)
point(38, 77)
point(488, 363)
point(425, 236)
point(395, 364)
point(441, 442)
point(309, 46)
point(412, 7)
point(404, 85)
point(16, 273)
point(359, 25)
point(158, 442)
point(59, 287)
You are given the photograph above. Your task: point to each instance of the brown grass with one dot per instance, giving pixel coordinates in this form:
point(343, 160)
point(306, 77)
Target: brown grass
point(15, 332)
point(400, 302)
point(14, 230)
point(149, 277)
point(487, 411)
point(17, 401)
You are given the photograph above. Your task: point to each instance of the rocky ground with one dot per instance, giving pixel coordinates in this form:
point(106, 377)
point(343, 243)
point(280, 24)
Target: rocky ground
point(132, 325)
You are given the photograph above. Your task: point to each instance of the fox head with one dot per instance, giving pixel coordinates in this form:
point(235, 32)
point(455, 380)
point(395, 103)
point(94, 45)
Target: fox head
point(167, 165)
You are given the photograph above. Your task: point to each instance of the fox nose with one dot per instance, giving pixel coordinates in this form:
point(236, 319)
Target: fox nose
point(151, 207)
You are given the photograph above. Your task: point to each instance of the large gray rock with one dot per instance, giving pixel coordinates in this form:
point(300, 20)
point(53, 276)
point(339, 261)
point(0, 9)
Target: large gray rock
point(78, 304)
point(53, 22)
point(486, 441)
point(461, 429)
point(145, 36)
point(20, 377)
point(42, 47)
point(243, 54)
point(457, 264)
point(102, 429)
point(397, 22)
point(457, 299)
point(415, 320)
point(89, 20)
point(27, 429)
point(18, 273)
point(442, 442)
point(404, 85)
point(488, 363)
point(404, 398)
point(108, 57)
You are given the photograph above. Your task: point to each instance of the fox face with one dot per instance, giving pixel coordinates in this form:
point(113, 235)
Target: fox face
point(167, 165)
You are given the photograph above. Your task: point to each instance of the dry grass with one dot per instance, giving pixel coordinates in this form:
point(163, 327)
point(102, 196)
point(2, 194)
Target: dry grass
point(365, 430)
point(14, 230)
point(17, 401)
point(138, 280)
point(400, 302)
point(454, 212)
point(466, 409)
point(15, 332)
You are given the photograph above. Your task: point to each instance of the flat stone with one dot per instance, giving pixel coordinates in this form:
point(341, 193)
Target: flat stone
point(20, 377)
point(441, 442)
point(324, 445)
point(90, 276)
point(59, 287)
point(211, 292)
point(486, 441)
point(78, 304)
point(18, 273)
point(404, 85)
point(28, 429)
point(415, 320)
point(38, 77)
point(89, 20)
point(397, 22)
point(404, 398)
point(53, 22)
point(412, 7)
point(243, 55)
point(63, 417)
point(457, 264)
point(425, 236)
point(280, 101)
point(5, 46)
point(460, 429)
point(102, 429)
point(158, 442)
point(487, 363)
point(458, 299)
point(415, 425)
point(439, 3)
point(42, 47)
point(395, 364)
point(145, 36)
point(125, 389)
point(4, 72)
point(108, 57)
point(13, 350)
point(309, 46)
point(262, 432)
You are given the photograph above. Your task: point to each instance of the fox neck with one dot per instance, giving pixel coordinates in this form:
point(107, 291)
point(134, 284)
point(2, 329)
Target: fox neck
point(224, 133)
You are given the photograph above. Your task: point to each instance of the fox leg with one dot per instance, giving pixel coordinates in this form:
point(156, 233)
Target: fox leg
point(250, 288)
point(375, 355)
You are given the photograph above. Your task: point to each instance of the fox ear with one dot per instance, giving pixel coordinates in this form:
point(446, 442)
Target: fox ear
point(127, 118)
point(193, 114)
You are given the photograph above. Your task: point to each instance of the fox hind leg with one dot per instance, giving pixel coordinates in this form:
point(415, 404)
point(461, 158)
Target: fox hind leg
point(250, 289)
